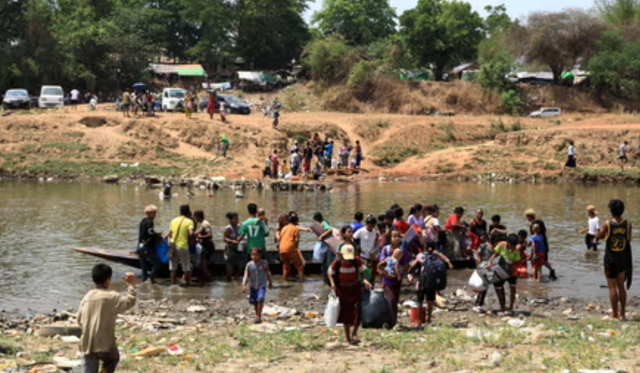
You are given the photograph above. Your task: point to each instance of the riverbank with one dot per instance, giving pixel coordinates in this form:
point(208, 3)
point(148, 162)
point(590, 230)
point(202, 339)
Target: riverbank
point(219, 335)
point(83, 145)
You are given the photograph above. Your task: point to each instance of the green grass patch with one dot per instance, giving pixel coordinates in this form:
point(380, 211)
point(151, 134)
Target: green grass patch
point(446, 168)
point(74, 134)
point(67, 146)
point(448, 133)
point(389, 155)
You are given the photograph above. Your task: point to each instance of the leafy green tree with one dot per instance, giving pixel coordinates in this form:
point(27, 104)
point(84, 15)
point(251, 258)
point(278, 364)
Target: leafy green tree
point(615, 70)
point(360, 22)
point(619, 12)
point(442, 33)
point(329, 60)
point(269, 33)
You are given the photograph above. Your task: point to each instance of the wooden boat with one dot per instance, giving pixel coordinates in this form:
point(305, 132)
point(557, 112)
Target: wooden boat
point(217, 265)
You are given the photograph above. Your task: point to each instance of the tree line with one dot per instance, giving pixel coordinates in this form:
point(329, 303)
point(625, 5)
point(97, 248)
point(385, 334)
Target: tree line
point(107, 44)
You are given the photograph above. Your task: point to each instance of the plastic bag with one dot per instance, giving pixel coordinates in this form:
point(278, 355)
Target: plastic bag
point(376, 311)
point(319, 251)
point(332, 311)
point(477, 282)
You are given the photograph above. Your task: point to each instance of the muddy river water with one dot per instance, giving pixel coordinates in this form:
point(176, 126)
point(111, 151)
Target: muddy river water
point(39, 221)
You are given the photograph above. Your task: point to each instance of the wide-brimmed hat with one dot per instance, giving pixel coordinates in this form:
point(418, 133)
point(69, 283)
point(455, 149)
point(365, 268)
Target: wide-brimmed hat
point(348, 252)
point(528, 212)
point(592, 208)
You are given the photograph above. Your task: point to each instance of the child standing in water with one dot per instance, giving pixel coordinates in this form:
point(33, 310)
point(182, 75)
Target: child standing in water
point(344, 275)
point(538, 250)
point(256, 277)
point(522, 268)
point(592, 231)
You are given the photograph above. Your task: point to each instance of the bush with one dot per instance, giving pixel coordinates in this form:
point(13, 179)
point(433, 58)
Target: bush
point(390, 155)
point(510, 102)
point(329, 60)
point(361, 75)
point(449, 135)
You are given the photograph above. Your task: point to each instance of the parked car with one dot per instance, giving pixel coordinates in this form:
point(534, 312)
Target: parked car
point(546, 112)
point(173, 99)
point(16, 99)
point(51, 96)
point(234, 104)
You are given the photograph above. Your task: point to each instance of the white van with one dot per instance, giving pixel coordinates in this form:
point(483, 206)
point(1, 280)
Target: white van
point(173, 99)
point(546, 112)
point(51, 96)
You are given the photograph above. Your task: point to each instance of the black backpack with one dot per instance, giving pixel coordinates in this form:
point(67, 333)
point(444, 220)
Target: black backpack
point(433, 275)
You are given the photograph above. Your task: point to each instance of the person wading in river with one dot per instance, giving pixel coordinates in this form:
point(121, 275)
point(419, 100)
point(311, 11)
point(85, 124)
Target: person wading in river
point(180, 233)
point(147, 240)
point(531, 217)
point(592, 230)
point(618, 265)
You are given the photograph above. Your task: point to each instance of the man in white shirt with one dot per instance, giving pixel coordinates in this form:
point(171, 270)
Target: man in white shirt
point(622, 155)
point(592, 231)
point(369, 250)
point(74, 98)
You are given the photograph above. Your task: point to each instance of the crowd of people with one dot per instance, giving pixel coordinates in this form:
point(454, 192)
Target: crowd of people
point(301, 159)
point(387, 246)
point(400, 251)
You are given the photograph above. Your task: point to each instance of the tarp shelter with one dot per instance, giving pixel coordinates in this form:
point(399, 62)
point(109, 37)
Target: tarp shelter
point(414, 75)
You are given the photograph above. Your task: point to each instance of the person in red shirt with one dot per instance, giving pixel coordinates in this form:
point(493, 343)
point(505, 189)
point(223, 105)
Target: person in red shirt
point(400, 224)
point(454, 223)
point(344, 274)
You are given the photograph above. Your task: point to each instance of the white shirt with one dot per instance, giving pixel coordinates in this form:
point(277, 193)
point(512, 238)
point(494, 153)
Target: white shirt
point(367, 241)
point(571, 150)
point(594, 225)
point(74, 94)
point(623, 150)
point(431, 221)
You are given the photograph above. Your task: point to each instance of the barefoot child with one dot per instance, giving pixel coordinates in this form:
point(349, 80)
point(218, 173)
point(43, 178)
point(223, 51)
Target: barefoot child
point(424, 292)
point(97, 317)
point(256, 277)
point(509, 251)
point(344, 276)
point(521, 267)
point(618, 265)
point(538, 250)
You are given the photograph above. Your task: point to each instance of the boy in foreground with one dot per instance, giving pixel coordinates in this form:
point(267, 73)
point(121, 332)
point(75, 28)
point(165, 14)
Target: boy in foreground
point(256, 277)
point(97, 317)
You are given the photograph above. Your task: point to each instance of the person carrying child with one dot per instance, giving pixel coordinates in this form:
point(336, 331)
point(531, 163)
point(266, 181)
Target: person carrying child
point(97, 318)
point(392, 280)
point(508, 250)
point(538, 252)
point(344, 275)
point(425, 290)
point(257, 277)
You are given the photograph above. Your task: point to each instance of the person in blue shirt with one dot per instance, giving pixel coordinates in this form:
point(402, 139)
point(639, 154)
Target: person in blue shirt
point(328, 154)
point(357, 224)
point(538, 252)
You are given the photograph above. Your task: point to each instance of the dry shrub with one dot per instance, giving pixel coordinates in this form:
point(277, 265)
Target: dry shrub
point(150, 134)
point(567, 98)
point(340, 98)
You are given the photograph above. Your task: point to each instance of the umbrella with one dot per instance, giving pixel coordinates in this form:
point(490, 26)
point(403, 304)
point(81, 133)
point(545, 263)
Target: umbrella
point(140, 86)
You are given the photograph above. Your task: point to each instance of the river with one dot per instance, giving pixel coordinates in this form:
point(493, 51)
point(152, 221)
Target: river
point(40, 221)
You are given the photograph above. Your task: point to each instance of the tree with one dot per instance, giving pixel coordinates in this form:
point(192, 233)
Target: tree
point(619, 12)
point(558, 40)
point(442, 33)
point(615, 70)
point(269, 33)
point(360, 22)
point(498, 21)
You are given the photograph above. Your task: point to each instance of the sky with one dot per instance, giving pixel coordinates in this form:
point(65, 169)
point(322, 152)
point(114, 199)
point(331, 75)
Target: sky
point(515, 8)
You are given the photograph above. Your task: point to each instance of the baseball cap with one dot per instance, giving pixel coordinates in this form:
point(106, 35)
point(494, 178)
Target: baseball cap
point(348, 252)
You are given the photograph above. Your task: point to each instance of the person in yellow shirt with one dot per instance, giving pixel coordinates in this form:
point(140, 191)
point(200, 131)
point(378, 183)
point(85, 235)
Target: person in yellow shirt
point(126, 103)
point(180, 233)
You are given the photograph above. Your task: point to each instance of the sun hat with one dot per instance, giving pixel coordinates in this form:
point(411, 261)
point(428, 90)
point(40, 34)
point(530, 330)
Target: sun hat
point(348, 252)
point(591, 208)
point(529, 212)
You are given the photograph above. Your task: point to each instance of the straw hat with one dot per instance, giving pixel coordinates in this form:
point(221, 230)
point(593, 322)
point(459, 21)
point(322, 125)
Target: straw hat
point(348, 252)
point(592, 208)
point(528, 212)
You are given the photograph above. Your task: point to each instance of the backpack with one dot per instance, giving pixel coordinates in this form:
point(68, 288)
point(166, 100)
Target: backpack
point(433, 275)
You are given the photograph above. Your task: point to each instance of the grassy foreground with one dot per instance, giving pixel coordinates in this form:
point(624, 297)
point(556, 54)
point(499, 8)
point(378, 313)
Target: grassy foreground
point(542, 343)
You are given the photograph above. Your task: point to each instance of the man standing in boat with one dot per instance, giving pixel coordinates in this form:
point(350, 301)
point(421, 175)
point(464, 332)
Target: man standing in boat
point(531, 217)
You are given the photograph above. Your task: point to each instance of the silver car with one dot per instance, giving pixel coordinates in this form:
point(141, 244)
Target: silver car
point(16, 99)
